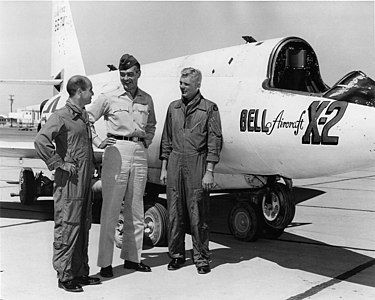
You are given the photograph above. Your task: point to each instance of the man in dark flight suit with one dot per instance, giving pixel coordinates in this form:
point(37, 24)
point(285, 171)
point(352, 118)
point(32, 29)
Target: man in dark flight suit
point(190, 147)
point(72, 160)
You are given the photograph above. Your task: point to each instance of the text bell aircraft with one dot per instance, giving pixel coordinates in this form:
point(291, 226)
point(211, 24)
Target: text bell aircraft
point(280, 122)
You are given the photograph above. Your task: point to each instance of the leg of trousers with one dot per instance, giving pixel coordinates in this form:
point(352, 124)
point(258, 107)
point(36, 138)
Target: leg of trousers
point(124, 177)
point(187, 203)
point(80, 256)
point(177, 214)
point(72, 208)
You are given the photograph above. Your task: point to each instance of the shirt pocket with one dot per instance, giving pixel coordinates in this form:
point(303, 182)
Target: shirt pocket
point(120, 108)
point(140, 114)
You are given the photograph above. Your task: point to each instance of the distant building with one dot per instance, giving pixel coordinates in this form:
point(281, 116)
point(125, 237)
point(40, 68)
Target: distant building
point(26, 117)
point(3, 120)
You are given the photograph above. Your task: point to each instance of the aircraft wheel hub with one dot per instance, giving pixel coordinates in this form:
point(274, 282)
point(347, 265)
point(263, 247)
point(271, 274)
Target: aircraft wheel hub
point(149, 226)
point(242, 222)
point(270, 207)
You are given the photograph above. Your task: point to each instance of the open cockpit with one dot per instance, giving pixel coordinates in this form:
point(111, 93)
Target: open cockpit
point(293, 65)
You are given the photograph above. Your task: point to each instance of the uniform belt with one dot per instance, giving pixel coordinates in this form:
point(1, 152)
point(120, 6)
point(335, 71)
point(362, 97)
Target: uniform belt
point(127, 138)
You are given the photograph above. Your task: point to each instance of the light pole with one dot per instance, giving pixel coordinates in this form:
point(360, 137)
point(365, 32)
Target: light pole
point(11, 99)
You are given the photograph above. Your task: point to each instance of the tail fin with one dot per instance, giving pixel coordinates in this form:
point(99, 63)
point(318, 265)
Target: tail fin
point(66, 57)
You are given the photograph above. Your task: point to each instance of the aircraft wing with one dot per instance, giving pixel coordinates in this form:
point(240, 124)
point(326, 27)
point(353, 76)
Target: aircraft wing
point(17, 149)
point(27, 150)
point(33, 81)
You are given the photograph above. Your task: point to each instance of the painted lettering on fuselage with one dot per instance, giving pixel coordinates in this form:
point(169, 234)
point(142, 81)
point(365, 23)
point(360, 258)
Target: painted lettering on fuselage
point(315, 109)
point(251, 121)
point(255, 120)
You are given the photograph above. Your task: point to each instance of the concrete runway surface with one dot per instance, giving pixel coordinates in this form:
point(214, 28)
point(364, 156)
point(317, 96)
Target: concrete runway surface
point(328, 252)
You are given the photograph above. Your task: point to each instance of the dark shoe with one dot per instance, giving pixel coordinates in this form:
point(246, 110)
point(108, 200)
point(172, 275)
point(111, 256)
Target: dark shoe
point(204, 269)
point(87, 280)
point(106, 272)
point(70, 286)
point(176, 263)
point(141, 267)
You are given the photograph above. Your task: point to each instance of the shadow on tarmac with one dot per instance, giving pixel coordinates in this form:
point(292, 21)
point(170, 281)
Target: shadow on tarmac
point(290, 251)
point(303, 194)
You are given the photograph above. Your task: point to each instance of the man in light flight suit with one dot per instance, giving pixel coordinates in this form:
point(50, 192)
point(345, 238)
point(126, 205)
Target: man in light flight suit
point(72, 160)
point(190, 148)
point(130, 119)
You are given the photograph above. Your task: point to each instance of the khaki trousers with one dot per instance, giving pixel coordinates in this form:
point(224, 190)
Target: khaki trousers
point(124, 176)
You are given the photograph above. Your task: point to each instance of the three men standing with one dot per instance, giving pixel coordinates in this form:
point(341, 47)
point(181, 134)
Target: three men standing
point(190, 147)
point(72, 160)
point(130, 119)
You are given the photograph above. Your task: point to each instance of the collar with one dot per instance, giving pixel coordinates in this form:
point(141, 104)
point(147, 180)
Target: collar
point(76, 110)
point(139, 96)
point(194, 103)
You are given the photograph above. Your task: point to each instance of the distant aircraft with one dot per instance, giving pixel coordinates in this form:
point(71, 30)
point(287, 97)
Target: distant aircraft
point(280, 122)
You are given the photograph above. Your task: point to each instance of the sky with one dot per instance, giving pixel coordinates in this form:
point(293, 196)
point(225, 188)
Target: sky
point(340, 32)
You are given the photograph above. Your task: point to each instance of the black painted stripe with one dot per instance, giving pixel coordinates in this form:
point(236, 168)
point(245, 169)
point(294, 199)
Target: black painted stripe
point(320, 287)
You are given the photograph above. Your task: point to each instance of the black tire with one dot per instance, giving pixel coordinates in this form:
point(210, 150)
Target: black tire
point(277, 207)
point(119, 230)
point(156, 225)
point(27, 186)
point(244, 222)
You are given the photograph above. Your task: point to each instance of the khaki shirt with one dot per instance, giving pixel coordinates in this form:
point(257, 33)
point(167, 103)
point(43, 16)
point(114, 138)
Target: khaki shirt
point(124, 115)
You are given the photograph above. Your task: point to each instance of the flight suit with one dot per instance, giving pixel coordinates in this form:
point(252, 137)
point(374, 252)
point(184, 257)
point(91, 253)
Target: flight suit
point(191, 138)
point(68, 127)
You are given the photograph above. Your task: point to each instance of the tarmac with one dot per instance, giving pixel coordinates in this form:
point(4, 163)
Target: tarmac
point(328, 252)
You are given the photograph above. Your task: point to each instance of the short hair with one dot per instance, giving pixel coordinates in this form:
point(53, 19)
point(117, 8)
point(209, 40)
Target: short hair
point(195, 73)
point(76, 82)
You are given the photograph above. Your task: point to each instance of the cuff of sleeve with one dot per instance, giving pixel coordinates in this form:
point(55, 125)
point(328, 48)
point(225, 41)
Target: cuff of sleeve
point(147, 143)
point(54, 162)
point(164, 156)
point(96, 141)
point(212, 158)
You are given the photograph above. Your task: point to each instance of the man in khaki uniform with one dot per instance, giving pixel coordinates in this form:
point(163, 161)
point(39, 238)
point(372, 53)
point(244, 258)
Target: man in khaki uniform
point(72, 160)
point(130, 119)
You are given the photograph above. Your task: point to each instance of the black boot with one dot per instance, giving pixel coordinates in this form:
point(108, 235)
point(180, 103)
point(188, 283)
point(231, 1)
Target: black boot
point(70, 286)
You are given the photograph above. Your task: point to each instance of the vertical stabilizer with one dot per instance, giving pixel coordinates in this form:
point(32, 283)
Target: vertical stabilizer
point(66, 54)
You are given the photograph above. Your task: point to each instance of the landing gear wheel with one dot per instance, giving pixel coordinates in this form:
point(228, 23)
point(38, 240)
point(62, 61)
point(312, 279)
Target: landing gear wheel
point(277, 208)
point(27, 186)
point(119, 231)
point(156, 224)
point(243, 222)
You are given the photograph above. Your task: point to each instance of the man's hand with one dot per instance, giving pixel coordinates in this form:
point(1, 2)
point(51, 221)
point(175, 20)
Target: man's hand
point(163, 176)
point(107, 142)
point(69, 167)
point(208, 180)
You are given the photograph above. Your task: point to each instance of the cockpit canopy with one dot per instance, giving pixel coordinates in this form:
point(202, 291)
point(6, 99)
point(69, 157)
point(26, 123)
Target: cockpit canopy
point(354, 87)
point(294, 66)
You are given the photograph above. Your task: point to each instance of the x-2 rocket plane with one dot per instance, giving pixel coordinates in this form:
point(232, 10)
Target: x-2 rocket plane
point(280, 122)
